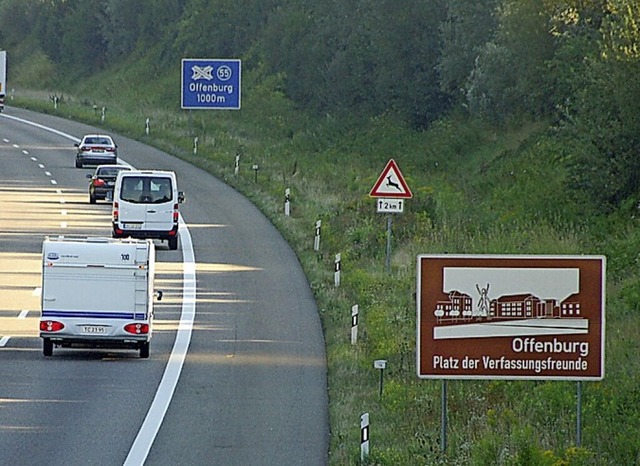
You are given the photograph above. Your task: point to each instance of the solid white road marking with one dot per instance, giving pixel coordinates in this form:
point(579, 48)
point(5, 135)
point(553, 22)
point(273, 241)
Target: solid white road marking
point(147, 434)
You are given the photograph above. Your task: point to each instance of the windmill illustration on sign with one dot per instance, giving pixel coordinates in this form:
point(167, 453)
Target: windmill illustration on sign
point(506, 302)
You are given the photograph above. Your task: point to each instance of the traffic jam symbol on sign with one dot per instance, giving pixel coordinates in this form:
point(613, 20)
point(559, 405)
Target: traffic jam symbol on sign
point(511, 317)
point(391, 189)
point(211, 84)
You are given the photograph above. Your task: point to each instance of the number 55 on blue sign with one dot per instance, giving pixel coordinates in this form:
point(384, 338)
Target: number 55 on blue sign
point(211, 84)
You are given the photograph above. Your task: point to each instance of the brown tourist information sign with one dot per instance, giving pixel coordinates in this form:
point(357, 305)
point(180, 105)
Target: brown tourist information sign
point(510, 317)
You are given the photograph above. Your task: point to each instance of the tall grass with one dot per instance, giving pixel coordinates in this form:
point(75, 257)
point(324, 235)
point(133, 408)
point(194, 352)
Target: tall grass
point(476, 190)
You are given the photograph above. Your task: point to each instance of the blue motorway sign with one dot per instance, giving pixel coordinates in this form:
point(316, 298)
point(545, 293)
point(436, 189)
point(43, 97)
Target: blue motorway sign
point(210, 84)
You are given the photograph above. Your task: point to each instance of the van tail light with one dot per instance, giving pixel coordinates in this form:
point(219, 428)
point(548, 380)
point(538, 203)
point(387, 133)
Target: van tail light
point(175, 213)
point(51, 326)
point(137, 329)
point(115, 212)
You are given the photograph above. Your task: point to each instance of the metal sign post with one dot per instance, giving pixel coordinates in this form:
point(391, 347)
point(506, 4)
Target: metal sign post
point(387, 262)
point(381, 365)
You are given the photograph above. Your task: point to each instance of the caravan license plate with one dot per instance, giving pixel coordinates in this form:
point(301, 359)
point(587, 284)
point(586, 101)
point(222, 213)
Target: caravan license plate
point(93, 329)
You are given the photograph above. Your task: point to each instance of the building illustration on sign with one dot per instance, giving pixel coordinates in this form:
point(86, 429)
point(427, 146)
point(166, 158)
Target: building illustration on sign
point(502, 308)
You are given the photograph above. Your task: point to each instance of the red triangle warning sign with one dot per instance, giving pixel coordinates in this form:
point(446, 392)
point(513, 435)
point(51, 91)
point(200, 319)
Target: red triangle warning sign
point(391, 183)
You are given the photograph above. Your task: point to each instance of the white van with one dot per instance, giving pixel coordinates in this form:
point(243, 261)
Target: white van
point(97, 292)
point(145, 205)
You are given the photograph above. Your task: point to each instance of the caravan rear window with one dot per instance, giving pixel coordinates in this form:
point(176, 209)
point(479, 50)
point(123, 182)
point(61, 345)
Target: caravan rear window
point(146, 189)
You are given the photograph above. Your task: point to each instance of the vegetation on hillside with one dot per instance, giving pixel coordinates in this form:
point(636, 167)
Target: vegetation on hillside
point(515, 122)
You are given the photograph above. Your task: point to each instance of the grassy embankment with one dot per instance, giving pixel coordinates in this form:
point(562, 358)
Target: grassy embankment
point(477, 189)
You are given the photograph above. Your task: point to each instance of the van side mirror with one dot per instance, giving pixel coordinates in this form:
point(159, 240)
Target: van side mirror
point(180, 196)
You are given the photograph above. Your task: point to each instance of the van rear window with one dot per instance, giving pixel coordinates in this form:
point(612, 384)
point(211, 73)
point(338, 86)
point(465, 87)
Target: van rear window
point(146, 189)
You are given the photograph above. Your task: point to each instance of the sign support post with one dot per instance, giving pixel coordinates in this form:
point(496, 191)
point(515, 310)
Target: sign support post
point(579, 415)
point(388, 255)
point(443, 417)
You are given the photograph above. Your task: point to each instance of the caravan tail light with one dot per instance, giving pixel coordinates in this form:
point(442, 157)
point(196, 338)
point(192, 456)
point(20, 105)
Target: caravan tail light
point(137, 329)
point(51, 326)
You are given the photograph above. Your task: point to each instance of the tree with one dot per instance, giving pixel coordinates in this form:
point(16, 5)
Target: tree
point(466, 29)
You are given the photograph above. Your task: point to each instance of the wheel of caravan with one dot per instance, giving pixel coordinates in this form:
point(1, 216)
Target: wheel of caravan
point(47, 347)
point(173, 243)
point(144, 350)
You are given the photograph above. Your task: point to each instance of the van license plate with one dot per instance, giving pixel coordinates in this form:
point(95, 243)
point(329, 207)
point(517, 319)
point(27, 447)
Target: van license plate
point(93, 329)
point(132, 226)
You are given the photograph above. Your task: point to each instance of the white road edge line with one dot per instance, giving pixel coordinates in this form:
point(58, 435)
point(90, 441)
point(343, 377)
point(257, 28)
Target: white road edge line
point(147, 433)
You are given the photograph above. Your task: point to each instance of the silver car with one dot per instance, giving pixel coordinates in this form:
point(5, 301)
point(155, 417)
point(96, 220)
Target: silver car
point(96, 149)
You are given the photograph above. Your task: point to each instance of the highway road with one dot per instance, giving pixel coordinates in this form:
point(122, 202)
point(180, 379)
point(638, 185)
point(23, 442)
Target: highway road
point(237, 368)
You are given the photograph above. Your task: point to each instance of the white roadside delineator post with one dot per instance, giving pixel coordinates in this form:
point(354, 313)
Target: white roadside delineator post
point(336, 275)
point(364, 436)
point(354, 324)
point(287, 202)
point(316, 240)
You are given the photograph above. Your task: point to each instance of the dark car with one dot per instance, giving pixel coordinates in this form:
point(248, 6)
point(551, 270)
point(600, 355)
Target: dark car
point(103, 181)
point(96, 149)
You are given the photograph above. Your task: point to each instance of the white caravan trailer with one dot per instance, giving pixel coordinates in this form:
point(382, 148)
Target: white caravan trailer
point(97, 292)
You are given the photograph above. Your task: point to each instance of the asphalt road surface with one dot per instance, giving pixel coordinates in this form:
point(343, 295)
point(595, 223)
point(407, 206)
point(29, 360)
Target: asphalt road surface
point(237, 371)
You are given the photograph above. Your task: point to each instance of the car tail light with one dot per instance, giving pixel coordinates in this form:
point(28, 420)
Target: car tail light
point(99, 182)
point(137, 329)
point(109, 149)
point(51, 326)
